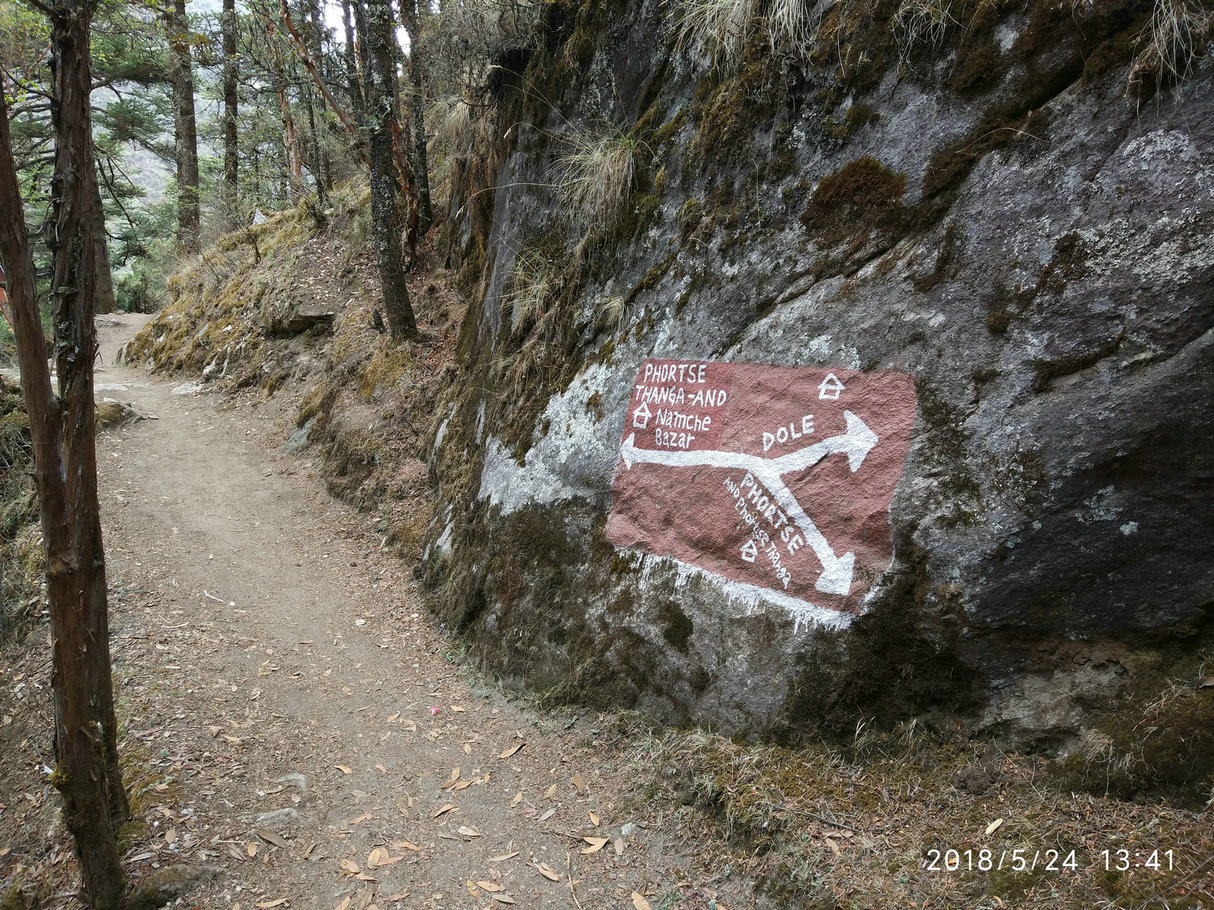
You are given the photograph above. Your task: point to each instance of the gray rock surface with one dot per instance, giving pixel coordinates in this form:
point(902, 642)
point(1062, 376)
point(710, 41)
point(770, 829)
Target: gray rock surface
point(299, 439)
point(1053, 300)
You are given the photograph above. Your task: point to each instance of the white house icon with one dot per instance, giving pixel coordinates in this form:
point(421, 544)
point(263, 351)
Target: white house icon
point(640, 417)
point(830, 387)
point(749, 550)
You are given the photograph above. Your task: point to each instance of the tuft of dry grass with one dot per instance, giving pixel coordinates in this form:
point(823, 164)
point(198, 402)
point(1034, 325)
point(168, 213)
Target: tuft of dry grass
point(720, 29)
point(717, 29)
point(612, 312)
point(530, 287)
point(792, 25)
point(919, 22)
point(1178, 35)
point(595, 176)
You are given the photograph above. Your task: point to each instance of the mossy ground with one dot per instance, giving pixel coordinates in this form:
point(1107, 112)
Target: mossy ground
point(855, 826)
point(1155, 739)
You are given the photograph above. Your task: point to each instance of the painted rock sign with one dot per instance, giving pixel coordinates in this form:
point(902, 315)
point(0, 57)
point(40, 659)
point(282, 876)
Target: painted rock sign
point(775, 477)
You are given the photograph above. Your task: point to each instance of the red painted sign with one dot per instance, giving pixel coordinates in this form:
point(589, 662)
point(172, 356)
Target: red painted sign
point(771, 476)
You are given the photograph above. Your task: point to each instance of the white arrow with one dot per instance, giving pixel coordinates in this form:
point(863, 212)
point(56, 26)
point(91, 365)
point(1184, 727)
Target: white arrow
point(856, 443)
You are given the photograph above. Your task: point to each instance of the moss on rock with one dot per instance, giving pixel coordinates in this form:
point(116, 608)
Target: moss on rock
point(862, 197)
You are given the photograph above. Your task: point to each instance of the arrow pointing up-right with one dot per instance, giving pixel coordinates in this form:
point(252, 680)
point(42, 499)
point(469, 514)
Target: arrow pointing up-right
point(859, 441)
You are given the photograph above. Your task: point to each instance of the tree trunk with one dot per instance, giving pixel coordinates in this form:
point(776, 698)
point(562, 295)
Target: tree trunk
point(315, 100)
point(317, 52)
point(105, 278)
point(291, 138)
point(306, 56)
point(315, 162)
point(352, 56)
point(283, 162)
point(231, 101)
point(417, 104)
point(65, 461)
point(383, 119)
point(181, 76)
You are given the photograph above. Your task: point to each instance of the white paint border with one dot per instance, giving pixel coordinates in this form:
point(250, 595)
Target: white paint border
point(750, 597)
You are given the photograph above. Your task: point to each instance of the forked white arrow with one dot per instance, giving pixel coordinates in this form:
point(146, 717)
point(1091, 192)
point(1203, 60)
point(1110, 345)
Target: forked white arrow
point(856, 443)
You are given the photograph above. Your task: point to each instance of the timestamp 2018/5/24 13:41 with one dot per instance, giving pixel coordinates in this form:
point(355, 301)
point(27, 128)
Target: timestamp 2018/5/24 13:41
point(1048, 860)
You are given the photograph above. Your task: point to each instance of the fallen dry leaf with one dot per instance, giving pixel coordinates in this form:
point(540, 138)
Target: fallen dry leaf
point(618, 844)
point(250, 849)
point(594, 819)
point(343, 769)
point(350, 866)
point(578, 783)
point(502, 898)
point(518, 798)
point(994, 826)
point(393, 718)
point(377, 857)
point(506, 753)
point(444, 810)
point(468, 832)
point(266, 905)
point(270, 838)
point(639, 902)
point(503, 857)
point(491, 887)
point(457, 709)
point(451, 780)
point(405, 845)
point(344, 905)
point(550, 792)
point(547, 871)
point(596, 844)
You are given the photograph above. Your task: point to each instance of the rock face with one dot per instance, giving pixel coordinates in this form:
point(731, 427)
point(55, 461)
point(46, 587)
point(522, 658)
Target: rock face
point(997, 218)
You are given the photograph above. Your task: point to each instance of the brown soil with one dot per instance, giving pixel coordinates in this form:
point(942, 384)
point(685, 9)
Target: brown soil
point(260, 629)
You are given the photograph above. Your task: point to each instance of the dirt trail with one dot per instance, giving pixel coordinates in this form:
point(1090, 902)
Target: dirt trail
point(259, 632)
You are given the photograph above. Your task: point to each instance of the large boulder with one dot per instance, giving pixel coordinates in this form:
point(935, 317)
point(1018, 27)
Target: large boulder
point(1006, 263)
